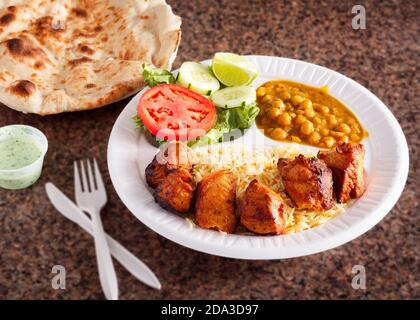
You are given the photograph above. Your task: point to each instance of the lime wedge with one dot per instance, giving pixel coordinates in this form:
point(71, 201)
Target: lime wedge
point(233, 70)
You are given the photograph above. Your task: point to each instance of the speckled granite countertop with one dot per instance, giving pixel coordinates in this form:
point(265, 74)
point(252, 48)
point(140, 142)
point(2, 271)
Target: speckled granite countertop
point(384, 58)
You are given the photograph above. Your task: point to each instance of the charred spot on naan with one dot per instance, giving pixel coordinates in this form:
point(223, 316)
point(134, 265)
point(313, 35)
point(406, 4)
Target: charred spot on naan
point(20, 48)
point(7, 19)
point(79, 13)
point(85, 49)
point(22, 88)
point(76, 62)
point(98, 29)
point(24, 49)
point(85, 33)
point(12, 9)
point(44, 28)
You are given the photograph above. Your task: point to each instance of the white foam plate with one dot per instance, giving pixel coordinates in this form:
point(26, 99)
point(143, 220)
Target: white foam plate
point(386, 165)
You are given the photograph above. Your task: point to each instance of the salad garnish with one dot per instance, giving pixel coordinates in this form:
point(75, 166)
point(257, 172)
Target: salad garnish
point(235, 106)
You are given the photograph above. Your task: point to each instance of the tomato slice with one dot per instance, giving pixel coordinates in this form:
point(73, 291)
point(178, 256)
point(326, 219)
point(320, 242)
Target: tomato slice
point(172, 112)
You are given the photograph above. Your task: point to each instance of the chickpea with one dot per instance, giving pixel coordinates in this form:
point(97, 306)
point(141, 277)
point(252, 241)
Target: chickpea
point(315, 137)
point(344, 139)
point(356, 129)
point(279, 104)
point(260, 91)
point(306, 104)
point(285, 95)
point(270, 91)
point(267, 98)
point(309, 113)
point(337, 134)
point(329, 141)
point(324, 131)
point(352, 121)
point(296, 99)
point(316, 120)
point(284, 119)
point(295, 139)
point(332, 121)
point(293, 115)
point(307, 128)
point(299, 119)
point(300, 112)
point(273, 113)
point(354, 137)
point(325, 109)
point(344, 128)
point(279, 134)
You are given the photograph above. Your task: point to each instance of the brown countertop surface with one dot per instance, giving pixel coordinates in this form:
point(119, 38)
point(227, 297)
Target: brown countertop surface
point(384, 58)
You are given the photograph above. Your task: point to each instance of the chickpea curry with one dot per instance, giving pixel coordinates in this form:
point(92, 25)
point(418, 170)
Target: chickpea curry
point(295, 112)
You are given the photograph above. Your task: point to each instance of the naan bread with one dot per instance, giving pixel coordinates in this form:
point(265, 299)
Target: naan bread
point(70, 55)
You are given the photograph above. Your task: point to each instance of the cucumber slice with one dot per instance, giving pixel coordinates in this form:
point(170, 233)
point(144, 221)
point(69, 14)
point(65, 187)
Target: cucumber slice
point(233, 97)
point(195, 76)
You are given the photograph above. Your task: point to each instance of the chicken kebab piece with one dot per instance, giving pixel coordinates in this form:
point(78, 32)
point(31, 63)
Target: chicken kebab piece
point(215, 202)
point(170, 175)
point(175, 155)
point(261, 209)
point(346, 162)
point(308, 182)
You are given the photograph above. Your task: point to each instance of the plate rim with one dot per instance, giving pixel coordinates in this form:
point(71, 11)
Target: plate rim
point(257, 253)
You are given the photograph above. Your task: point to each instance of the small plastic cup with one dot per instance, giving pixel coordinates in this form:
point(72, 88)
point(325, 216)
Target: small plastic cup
point(26, 176)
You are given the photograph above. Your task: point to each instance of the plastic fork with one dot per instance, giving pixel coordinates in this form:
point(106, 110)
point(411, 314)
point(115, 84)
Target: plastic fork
point(91, 198)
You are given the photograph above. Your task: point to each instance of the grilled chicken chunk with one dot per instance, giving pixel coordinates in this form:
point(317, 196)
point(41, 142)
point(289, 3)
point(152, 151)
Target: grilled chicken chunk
point(170, 175)
point(175, 155)
point(215, 202)
point(346, 163)
point(156, 172)
point(308, 182)
point(261, 210)
point(176, 191)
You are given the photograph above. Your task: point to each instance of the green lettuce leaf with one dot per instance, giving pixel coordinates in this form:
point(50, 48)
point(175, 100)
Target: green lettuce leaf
point(239, 118)
point(214, 135)
point(139, 123)
point(141, 126)
point(155, 76)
